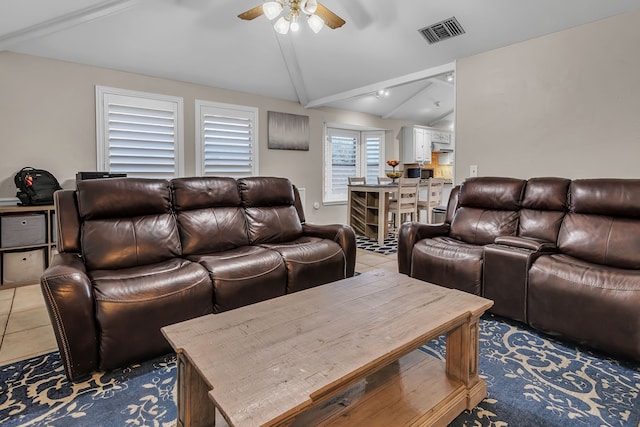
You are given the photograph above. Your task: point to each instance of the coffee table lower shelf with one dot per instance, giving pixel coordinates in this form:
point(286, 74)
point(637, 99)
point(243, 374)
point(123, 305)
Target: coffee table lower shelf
point(413, 391)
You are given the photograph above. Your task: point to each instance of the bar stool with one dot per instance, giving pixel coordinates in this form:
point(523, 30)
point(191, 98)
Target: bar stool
point(406, 202)
point(434, 197)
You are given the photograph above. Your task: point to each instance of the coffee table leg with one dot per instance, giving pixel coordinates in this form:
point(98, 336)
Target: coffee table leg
point(194, 407)
point(462, 360)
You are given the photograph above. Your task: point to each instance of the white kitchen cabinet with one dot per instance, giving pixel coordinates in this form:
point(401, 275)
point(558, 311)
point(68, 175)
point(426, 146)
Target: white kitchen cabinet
point(416, 144)
point(445, 158)
point(440, 137)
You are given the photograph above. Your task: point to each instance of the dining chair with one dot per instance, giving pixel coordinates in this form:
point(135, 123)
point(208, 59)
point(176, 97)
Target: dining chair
point(385, 180)
point(406, 202)
point(434, 198)
point(357, 180)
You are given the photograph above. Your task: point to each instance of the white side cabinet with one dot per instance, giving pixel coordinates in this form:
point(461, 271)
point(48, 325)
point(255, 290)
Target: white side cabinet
point(27, 243)
point(416, 144)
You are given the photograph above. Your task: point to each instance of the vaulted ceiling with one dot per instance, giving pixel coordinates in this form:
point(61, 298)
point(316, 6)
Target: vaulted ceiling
point(379, 47)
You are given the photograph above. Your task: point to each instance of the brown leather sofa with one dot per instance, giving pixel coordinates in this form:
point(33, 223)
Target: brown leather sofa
point(139, 254)
point(562, 256)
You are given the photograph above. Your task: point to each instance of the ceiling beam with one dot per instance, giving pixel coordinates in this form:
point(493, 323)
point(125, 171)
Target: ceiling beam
point(64, 21)
point(409, 98)
point(293, 66)
point(440, 117)
point(398, 81)
point(442, 82)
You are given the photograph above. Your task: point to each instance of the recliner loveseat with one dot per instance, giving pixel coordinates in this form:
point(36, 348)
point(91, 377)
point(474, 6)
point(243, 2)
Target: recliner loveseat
point(562, 256)
point(139, 254)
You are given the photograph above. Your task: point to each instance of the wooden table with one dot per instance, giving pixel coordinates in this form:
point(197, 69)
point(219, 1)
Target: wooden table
point(343, 353)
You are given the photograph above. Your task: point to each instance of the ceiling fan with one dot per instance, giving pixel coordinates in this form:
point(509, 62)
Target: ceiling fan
point(292, 11)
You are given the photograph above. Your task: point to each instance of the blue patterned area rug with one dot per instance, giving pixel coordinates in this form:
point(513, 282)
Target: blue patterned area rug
point(535, 381)
point(390, 244)
point(532, 381)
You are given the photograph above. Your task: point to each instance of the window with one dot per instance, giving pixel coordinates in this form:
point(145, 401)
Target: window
point(138, 133)
point(227, 141)
point(350, 153)
point(374, 144)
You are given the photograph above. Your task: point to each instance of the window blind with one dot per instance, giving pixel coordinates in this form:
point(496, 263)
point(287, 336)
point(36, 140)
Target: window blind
point(343, 163)
point(373, 142)
point(350, 153)
point(139, 135)
point(227, 145)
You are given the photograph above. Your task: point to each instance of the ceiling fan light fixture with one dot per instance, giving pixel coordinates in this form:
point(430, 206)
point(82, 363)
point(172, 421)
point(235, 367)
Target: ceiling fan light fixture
point(310, 6)
point(282, 25)
point(294, 24)
point(271, 9)
point(315, 23)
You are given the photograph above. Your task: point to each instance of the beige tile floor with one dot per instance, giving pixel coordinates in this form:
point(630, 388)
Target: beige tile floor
point(26, 328)
point(24, 323)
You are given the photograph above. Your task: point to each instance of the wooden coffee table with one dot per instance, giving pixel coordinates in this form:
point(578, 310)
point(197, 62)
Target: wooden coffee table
point(343, 353)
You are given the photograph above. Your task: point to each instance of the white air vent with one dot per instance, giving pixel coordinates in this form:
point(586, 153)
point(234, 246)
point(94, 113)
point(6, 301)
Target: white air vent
point(442, 30)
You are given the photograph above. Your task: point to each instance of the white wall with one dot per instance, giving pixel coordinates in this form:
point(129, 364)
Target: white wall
point(47, 120)
point(567, 104)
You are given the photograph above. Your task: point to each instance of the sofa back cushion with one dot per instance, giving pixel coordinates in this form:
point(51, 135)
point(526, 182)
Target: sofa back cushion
point(126, 222)
point(269, 207)
point(209, 214)
point(544, 204)
point(487, 208)
point(603, 224)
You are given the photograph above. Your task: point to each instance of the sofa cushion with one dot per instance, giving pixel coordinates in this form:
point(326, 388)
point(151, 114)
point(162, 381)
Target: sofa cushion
point(481, 227)
point(269, 208)
point(244, 275)
point(209, 215)
point(129, 242)
point(495, 193)
point(602, 240)
point(448, 262)
point(544, 205)
point(132, 304)
point(122, 198)
point(488, 208)
point(588, 303)
point(602, 225)
point(204, 192)
point(311, 261)
point(126, 222)
point(609, 197)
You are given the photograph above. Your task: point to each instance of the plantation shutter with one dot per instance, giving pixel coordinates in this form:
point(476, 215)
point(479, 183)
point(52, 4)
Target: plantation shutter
point(373, 144)
point(350, 153)
point(343, 163)
point(227, 145)
point(139, 134)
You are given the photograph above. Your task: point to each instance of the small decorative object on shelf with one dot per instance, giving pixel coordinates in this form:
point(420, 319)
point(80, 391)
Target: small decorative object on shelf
point(393, 174)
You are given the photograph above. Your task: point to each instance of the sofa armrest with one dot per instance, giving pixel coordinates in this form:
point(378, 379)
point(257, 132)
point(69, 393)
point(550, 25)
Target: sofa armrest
point(412, 232)
point(536, 245)
point(69, 299)
point(342, 235)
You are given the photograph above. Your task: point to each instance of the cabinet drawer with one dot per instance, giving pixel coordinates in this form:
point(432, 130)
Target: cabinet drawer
point(24, 266)
point(23, 230)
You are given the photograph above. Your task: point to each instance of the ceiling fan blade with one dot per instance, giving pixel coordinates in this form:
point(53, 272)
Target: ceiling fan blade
point(251, 13)
point(331, 19)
